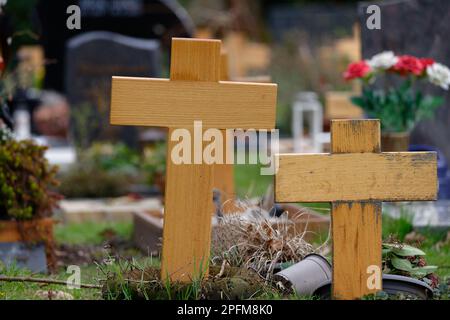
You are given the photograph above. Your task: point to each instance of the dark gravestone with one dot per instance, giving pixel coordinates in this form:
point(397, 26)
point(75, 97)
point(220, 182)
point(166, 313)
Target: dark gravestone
point(420, 28)
point(146, 19)
point(325, 21)
point(93, 58)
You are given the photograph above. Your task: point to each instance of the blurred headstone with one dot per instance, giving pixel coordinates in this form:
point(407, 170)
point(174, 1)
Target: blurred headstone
point(420, 28)
point(426, 215)
point(147, 19)
point(93, 58)
point(325, 21)
point(23, 255)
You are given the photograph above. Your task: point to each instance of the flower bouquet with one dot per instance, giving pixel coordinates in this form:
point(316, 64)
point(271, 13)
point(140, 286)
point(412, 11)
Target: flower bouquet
point(399, 108)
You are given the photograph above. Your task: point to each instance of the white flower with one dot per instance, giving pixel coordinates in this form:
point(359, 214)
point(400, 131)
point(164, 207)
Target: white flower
point(383, 61)
point(439, 75)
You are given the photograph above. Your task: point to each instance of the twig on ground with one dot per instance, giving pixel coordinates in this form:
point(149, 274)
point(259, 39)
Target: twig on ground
point(46, 281)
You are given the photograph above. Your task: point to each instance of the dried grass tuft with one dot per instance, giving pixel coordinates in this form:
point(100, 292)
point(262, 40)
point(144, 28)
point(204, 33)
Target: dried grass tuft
point(257, 241)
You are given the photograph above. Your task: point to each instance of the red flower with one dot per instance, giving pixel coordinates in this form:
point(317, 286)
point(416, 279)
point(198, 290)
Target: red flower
point(357, 70)
point(409, 64)
point(426, 62)
point(2, 64)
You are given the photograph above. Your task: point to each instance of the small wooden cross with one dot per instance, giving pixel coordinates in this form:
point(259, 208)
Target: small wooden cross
point(356, 177)
point(194, 92)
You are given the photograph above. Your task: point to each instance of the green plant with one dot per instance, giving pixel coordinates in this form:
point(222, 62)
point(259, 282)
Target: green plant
point(85, 180)
point(85, 125)
point(25, 181)
point(406, 260)
point(399, 108)
point(154, 161)
point(103, 170)
point(112, 158)
point(399, 226)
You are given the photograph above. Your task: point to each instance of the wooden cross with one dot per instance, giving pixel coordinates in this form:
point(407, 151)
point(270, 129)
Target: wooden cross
point(356, 178)
point(245, 55)
point(194, 92)
point(224, 173)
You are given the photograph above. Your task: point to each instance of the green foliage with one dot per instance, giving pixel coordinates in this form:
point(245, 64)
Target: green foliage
point(399, 227)
point(406, 260)
point(85, 125)
point(112, 157)
point(249, 181)
point(25, 181)
point(85, 180)
point(154, 161)
point(103, 170)
point(28, 290)
point(398, 108)
point(108, 170)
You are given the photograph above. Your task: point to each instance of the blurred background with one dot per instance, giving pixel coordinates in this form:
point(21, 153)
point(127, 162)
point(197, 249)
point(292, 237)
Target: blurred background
point(55, 89)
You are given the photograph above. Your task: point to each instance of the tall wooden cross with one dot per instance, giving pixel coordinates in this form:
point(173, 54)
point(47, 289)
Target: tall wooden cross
point(194, 92)
point(356, 178)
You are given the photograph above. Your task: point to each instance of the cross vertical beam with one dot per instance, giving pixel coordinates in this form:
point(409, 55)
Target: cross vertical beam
point(355, 226)
point(186, 243)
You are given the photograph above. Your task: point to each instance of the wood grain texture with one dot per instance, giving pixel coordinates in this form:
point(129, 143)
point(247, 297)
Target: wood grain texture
point(356, 177)
point(355, 171)
point(187, 219)
point(188, 194)
point(224, 66)
point(356, 234)
point(195, 60)
point(193, 93)
point(175, 104)
point(355, 136)
point(356, 226)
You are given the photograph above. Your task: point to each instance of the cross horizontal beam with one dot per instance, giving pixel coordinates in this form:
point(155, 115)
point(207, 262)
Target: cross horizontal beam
point(400, 176)
point(177, 104)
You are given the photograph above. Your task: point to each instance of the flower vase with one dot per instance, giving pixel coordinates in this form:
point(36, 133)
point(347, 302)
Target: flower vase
point(395, 141)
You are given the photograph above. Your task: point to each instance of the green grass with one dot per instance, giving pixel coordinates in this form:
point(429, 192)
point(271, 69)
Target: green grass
point(438, 256)
point(249, 181)
point(90, 232)
point(27, 290)
point(74, 234)
point(399, 227)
